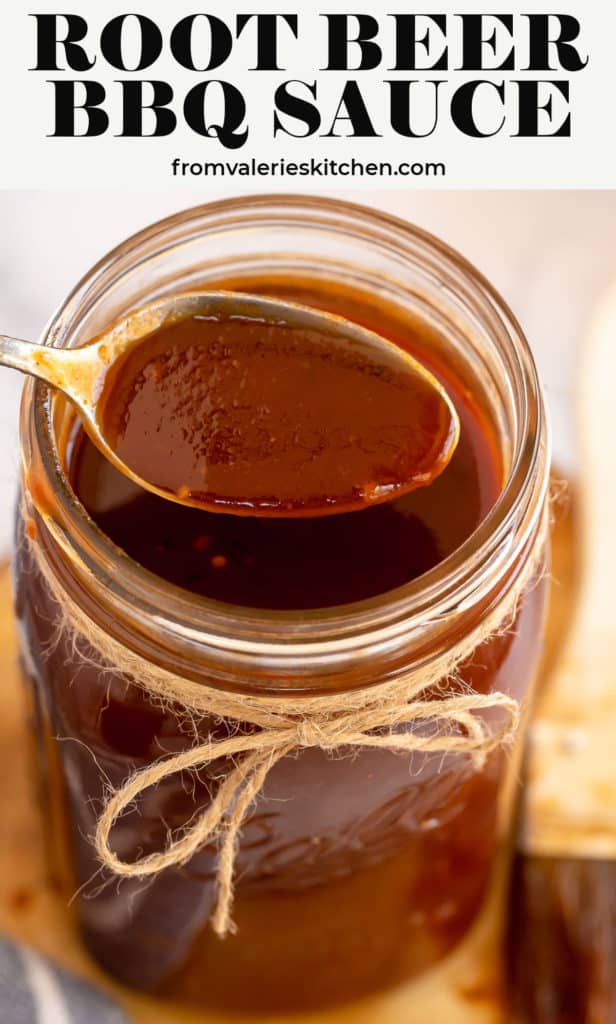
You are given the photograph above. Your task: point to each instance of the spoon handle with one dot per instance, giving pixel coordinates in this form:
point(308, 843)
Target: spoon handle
point(33, 359)
point(73, 371)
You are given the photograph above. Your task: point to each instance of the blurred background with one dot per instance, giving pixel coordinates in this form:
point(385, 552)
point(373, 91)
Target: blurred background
point(551, 255)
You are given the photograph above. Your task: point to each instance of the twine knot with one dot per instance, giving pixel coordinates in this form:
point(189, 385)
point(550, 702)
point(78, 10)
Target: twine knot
point(311, 734)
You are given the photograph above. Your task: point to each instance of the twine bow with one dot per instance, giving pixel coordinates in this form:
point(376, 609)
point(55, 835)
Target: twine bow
point(457, 729)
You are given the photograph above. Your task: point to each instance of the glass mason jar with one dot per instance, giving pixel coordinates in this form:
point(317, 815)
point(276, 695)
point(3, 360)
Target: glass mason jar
point(354, 873)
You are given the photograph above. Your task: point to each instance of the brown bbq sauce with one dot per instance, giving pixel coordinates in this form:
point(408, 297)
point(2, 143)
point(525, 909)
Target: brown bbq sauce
point(353, 874)
point(262, 417)
point(311, 562)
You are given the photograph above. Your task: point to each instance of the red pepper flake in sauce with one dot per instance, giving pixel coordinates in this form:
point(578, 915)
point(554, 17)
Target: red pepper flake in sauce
point(219, 562)
point(201, 543)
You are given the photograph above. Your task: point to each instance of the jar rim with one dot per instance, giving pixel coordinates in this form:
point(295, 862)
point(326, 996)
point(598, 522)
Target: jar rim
point(374, 622)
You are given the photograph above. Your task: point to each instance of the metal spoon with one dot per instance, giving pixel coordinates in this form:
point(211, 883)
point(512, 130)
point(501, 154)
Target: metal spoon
point(87, 374)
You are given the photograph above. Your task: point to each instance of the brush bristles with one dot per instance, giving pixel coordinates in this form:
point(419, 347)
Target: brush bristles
point(562, 941)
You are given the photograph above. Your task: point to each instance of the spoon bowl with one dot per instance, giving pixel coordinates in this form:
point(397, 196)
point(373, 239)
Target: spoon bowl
point(265, 407)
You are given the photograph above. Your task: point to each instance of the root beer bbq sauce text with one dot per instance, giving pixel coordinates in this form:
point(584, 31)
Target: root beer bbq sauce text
point(354, 873)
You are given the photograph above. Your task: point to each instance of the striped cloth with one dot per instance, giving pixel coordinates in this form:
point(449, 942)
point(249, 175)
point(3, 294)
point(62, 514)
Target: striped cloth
point(34, 991)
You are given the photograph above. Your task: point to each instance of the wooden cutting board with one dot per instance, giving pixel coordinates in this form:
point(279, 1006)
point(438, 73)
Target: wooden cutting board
point(460, 991)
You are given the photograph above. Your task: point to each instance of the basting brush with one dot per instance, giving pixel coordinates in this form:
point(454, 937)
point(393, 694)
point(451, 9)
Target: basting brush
point(562, 927)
